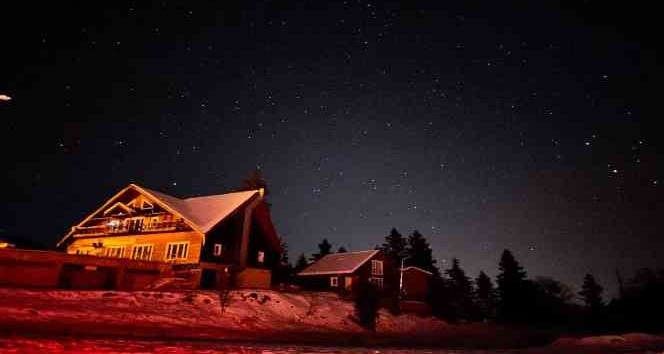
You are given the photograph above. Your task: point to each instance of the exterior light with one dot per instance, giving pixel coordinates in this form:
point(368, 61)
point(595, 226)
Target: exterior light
point(5, 98)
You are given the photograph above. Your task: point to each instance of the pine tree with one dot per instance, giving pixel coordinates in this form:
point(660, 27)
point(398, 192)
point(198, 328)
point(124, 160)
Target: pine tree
point(301, 263)
point(342, 249)
point(485, 297)
point(460, 286)
point(394, 246)
point(591, 293)
point(420, 254)
point(283, 270)
point(513, 289)
point(324, 248)
point(254, 181)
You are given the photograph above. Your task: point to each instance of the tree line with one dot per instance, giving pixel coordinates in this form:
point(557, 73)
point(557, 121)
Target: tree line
point(514, 298)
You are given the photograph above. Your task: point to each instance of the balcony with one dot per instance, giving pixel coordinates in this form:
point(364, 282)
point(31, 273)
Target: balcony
point(130, 228)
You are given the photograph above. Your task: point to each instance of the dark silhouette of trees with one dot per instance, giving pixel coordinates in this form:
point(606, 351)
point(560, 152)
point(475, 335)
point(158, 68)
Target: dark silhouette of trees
point(324, 248)
point(552, 303)
point(254, 181)
point(394, 249)
point(420, 254)
point(342, 249)
point(460, 288)
point(485, 297)
point(301, 263)
point(366, 304)
point(591, 294)
point(394, 246)
point(639, 306)
point(283, 270)
point(514, 291)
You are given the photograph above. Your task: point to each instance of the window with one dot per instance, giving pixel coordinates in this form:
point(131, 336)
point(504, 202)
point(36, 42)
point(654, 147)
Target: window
point(142, 252)
point(177, 250)
point(217, 250)
point(146, 205)
point(114, 251)
point(376, 267)
point(334, 282)
point(261, 257)
point(378, 282)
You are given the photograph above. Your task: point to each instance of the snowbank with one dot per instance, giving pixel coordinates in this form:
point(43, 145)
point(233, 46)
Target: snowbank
point(257, 311)
point(614, 343)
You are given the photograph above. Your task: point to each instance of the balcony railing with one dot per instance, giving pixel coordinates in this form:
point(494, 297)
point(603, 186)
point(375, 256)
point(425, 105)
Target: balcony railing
point(127, 228)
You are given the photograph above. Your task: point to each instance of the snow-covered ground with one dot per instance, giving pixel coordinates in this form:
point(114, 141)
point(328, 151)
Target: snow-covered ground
point(58, 321)
point(245, 310)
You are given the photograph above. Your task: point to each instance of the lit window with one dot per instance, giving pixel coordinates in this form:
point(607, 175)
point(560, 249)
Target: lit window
point(114, 251)
point(376, 267)
point(217, 250)
point(142, 252)
point(261, 257)
point(177, 251)
point(334, 282)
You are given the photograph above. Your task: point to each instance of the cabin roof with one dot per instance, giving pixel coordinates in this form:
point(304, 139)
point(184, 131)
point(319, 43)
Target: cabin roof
point(417, 269)
point(205, 211)
point(339, 263)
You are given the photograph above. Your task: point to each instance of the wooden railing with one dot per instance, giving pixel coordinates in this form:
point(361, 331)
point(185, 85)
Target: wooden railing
point(131, 228)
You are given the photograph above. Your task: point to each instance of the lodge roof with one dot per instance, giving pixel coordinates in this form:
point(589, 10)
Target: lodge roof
point(339, 263)
point(205, 211)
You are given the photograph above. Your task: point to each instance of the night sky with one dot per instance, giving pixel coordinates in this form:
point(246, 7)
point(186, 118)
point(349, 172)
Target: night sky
point(521, 125)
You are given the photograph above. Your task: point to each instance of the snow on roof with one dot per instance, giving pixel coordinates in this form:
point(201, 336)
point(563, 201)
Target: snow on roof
point(205, 211)
point(339, 263)
point(418, 269)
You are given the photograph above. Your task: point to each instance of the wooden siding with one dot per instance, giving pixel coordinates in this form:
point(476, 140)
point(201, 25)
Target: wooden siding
point(158, 241)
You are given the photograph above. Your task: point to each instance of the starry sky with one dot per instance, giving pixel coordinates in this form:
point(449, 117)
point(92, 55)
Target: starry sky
point(485, 125)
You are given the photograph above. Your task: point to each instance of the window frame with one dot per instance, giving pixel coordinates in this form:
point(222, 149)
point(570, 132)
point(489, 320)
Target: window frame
point(376, 267)
point(141, 246)
point(175, 248)
point(334, 281)
point(217, 249)
point(108, 251)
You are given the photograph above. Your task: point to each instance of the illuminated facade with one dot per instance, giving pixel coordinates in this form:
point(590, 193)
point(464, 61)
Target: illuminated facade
point(227, 232)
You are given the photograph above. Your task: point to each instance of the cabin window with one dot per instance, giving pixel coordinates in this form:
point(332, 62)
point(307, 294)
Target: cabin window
point(376, 267)
point(261, 257)
point(334, 282)
point(177, 251)
point(142, 252)
point(217, 250)
point(378, 282)
point(146, 205)
point(114, 251)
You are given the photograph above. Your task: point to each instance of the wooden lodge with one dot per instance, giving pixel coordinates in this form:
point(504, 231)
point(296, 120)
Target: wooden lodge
point(221, 240)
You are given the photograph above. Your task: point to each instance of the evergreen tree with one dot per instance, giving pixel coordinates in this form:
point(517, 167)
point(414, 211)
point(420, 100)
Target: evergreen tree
point(460, 289)
point(366, 303)
point(485, 297)
point(394, 246)
point(301, 263)
point(513, 289)
point(420, 254)
point(254, 181)
point(342, 249)
point(283, 270)
point(324, 248)
point(591, 294)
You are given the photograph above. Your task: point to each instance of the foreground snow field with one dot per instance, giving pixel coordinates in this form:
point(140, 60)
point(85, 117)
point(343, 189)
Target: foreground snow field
point(61, 321)
point(244, 310)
